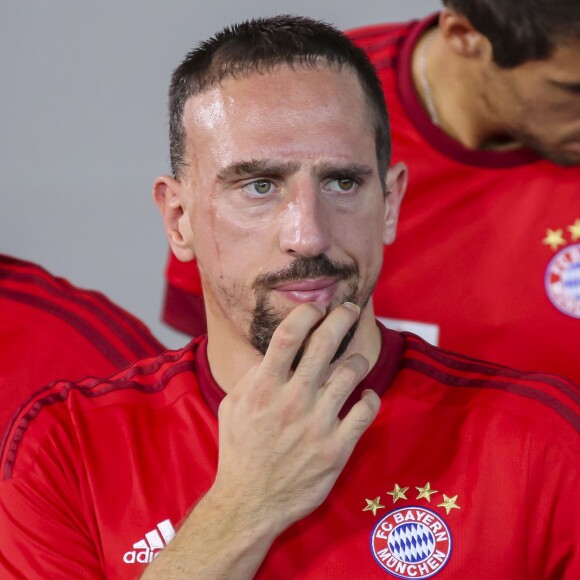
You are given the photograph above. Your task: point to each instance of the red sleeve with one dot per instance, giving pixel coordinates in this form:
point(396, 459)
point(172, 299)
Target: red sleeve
point(46, 527)
point(50, 329)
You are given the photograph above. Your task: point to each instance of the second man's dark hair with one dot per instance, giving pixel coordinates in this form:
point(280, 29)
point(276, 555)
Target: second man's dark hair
point(521, 30)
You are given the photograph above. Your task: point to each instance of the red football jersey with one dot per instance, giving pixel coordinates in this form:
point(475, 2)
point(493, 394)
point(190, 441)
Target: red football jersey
point(487, 256)
point(469, 471)
point(52, 330)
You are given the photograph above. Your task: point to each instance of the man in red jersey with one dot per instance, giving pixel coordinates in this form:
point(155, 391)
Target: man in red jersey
point(462, 469)
point(50, 330)
point(484, 101)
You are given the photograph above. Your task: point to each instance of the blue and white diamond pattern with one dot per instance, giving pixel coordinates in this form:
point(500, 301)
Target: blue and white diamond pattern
point(571, 281)
point(412, 542)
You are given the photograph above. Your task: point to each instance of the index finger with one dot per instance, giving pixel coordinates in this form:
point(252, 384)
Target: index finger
point(287, 340)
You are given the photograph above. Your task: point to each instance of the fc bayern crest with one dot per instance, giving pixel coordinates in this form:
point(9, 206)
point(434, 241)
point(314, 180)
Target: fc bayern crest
point(411, 542)
point(563, 280)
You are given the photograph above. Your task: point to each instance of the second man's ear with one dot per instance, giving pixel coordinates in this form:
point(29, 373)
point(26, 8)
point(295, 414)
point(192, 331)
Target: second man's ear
point(167, 197)
point(462, 37)
point(396, 187)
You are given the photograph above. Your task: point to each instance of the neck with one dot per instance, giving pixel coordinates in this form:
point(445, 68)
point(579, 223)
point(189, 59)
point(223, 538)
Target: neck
point(451, 88)
point(231, 356)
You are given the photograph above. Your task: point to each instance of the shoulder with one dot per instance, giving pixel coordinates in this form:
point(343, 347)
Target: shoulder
point(380, 35)
point(31, 297)
point(381, 41)
point(544, 402)
point(76, 411)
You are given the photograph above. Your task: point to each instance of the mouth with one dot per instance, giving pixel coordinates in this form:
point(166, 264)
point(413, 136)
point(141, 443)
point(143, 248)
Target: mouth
point(320, 290)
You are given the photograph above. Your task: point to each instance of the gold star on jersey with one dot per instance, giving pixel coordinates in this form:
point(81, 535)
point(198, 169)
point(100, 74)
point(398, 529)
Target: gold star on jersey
point(425, 492)
point(373, 505)
point(554, 239)
point(398, 492)
point(449, 503)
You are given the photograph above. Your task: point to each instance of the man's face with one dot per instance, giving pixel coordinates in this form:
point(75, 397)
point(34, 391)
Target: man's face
point(282, 199)
point(538, 103)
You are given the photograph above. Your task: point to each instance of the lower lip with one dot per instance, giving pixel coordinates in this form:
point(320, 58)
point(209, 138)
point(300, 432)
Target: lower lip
point(320, 295)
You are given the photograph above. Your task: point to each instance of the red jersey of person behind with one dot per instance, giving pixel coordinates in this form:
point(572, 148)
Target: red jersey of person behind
point(50, 330)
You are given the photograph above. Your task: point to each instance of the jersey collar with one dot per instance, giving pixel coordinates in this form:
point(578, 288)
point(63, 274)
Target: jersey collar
point(378, 379)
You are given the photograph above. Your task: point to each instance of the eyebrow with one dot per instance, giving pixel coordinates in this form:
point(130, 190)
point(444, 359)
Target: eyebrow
point(267, 167)
point(271, 168)
point(351, 170)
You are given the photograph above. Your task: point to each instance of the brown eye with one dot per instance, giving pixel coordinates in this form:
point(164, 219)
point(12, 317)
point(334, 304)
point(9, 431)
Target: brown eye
point(341, 184)
point(345, 184)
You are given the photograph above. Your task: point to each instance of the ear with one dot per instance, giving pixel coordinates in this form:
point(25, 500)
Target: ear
point(460, 35)
point(396, 187)
point(167, 196)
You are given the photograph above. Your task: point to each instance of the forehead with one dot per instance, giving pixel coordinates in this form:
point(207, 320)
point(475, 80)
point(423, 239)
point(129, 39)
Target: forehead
point(322, 108)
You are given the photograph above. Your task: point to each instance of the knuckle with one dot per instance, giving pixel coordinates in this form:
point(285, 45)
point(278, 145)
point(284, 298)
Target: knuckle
point(328, 456)
point(322, 341)
point(292, 410)
point(285, 337)
point(363, 417)
point(348, 375)
point(358, 420)
point(258, 399)
point(307, 369)
point(343, 381)
point(339, 391)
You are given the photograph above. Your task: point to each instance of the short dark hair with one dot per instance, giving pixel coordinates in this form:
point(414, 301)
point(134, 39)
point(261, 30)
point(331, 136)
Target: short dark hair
point(258, 46)
point(521, 30)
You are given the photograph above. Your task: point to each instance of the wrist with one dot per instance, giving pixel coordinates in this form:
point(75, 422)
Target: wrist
point(223, 537)
point(247, 515)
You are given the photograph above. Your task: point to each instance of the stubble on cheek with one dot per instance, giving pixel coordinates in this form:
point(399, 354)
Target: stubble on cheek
point(228, 302)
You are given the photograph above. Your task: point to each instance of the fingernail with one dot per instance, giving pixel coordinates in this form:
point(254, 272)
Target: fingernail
point(353, 306)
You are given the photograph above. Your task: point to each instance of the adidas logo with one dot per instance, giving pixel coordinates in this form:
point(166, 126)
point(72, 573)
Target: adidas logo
point(145, 550)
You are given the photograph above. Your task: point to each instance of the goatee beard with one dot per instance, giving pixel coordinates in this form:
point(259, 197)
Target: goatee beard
point(265, 319)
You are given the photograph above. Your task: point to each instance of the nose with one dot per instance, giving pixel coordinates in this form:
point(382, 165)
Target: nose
point(304, 229)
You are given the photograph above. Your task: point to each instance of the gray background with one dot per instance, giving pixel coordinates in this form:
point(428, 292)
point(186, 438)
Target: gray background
point(83, 128)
